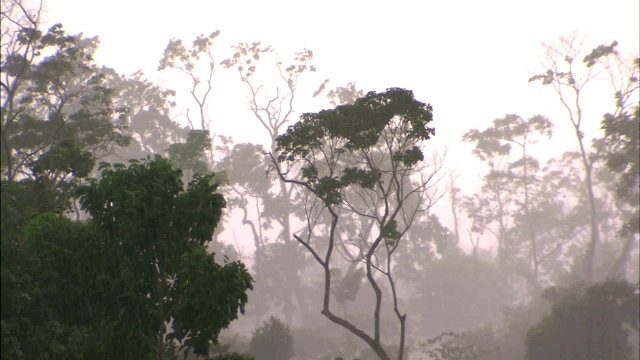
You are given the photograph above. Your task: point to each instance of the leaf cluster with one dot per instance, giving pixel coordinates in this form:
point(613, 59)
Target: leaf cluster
point(110, 284)
point(359, 125)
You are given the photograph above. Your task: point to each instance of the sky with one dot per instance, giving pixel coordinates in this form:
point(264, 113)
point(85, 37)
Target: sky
point(469, 59)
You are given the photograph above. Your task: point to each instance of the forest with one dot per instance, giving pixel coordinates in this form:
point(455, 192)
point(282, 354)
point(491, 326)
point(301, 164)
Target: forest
point(133, 230)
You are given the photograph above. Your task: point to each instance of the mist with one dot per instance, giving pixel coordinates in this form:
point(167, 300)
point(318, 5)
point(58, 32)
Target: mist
point(239, 202)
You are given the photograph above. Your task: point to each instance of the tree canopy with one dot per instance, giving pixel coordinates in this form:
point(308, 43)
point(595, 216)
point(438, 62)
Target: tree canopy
point(139, 264)
point(364, 165)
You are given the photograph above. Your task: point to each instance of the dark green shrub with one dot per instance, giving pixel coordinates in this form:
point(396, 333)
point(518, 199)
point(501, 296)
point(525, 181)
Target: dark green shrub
point(272, 341)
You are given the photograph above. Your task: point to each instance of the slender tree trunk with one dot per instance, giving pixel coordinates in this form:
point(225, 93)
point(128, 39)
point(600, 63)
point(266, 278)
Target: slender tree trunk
point(589, 256)
point(454, 212)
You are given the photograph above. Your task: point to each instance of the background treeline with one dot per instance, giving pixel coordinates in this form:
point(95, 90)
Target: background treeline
point(341, 211)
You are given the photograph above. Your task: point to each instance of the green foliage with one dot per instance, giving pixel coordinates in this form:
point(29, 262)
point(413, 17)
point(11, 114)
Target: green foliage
point(390, 232)
point(160, 231)
point(366, 179)
point(65, 157)
point(409, 157)
point(207, 296)
point(104, 288)
point(364, 162)
point(328, 189)
point(272, 341)
point(586, 322)
point(622, 158)
point(57, 105)
point(359, 125)
point(44, 299)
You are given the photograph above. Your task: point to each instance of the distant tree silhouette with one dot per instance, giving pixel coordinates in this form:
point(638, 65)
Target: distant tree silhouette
point(586, 323)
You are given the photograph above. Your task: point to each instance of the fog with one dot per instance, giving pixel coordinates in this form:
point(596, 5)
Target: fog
point(278, 209)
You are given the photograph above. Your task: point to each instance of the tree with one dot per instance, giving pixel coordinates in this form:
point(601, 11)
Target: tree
point(563, 76)
point(54, 96)
point(469, 345)
point(521, 179)
point(586, 322)
point(149, 109)
point(362, 162)
point(43, 294)
point(58, 113)
point(157, 231)
point(272, 105)
point(272, 341)
point(130, 281)
point(189, 155)
point(177, 56)
point(622, 158)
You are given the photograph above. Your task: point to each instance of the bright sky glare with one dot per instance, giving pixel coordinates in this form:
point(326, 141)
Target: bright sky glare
point(470, 59)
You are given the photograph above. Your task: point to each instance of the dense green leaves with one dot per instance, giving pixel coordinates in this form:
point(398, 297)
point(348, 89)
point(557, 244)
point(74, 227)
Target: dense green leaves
point(207, 297)
point(359, 125)
point(158, 229)
point(108, 286)
point(393, 120)
point(365, 164)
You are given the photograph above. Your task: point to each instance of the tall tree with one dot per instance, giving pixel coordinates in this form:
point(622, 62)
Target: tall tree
point(362, 161)
point(505, 133)
point(562, 74)
point(188, 60)
point(149, 107)
point(54, 95)
point(272, 106)
point(58, 113)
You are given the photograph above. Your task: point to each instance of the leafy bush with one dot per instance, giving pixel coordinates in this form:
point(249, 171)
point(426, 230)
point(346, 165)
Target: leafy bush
point(272, 341)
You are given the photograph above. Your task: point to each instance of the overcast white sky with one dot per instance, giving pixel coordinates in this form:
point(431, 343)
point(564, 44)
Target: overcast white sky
point(470, 59)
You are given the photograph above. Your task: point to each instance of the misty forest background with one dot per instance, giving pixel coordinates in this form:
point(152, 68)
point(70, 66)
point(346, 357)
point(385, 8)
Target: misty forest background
point(132, 229)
